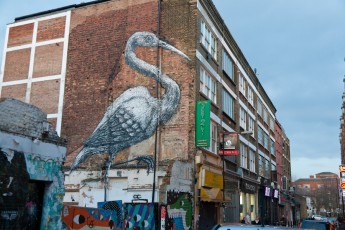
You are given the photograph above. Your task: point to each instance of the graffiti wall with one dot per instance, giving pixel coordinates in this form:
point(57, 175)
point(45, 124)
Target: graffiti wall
point(87, 218)
point(27, 197)
point(20, 203)
point(115, 206)
point(139, 214)
point(179, 211)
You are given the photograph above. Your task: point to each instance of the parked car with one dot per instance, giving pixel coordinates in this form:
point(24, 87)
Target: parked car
point(317, 225)
point(253, 227)
point(319, 217)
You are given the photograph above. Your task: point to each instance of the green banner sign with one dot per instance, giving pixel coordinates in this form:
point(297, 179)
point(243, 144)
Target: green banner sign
point(202, 124)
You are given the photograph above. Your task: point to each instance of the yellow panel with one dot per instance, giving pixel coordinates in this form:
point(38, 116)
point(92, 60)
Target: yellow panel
point(212, 180)
point(211, 194)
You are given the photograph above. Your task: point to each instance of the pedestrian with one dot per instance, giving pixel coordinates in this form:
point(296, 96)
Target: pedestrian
point(248, 221)
point(256, 221)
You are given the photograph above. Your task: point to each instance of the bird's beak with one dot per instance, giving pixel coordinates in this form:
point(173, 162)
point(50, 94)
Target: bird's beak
point(167, 46)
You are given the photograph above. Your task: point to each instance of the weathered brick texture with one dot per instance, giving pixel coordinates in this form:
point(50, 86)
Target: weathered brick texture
point(48, 60)
point(45, 95)
point(20, 35)
point(51, 29)
point(17, 65)
point(16, 91)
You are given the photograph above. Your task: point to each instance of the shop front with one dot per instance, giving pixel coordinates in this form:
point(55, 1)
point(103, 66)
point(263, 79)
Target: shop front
point(231, 206)
point(248, 200)
point(211, 197)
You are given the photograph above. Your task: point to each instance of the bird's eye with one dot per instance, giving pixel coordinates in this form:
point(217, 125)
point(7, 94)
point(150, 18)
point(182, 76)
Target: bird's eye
point(149, 39)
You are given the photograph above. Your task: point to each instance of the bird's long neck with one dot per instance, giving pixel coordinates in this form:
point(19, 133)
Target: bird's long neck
point(171, 98)
point(139, 65)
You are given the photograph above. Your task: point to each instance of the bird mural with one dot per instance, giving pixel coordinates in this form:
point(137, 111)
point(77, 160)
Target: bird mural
point(135, 114)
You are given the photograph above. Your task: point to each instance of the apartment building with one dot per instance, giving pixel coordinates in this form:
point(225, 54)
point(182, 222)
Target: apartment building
point(129, 109)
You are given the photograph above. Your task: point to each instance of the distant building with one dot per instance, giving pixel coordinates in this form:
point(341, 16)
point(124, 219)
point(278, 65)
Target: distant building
point(322, 190)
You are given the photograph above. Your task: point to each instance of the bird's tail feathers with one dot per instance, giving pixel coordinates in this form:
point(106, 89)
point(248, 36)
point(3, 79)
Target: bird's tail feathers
point(81, 157)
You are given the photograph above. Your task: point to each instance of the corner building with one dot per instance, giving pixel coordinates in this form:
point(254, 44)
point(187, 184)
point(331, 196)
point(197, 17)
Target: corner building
point(72, 62)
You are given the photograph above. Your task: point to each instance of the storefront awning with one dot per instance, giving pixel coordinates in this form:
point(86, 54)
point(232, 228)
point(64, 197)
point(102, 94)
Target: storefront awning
point(211, 194)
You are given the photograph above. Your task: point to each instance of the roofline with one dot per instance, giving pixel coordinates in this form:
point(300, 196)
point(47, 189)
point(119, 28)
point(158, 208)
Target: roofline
point(59, 9)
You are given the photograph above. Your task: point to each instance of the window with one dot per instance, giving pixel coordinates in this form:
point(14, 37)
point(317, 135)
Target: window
point(259, 107)
point(250, 95)
point(227, 65)
point(273, 149)
point(284, 180)
point(271, 123)
point(208, 40)
point(214, 138)
point(261, 165)
point(274, 168)
point(242, 84)
point(207, 85)
point(243, 118)
point(265, 117)
point(228, 104)
point(260, 136)
point(251, 125)
point(267, 168)
point(251, 160)
point(244, 156)
point(265, 140)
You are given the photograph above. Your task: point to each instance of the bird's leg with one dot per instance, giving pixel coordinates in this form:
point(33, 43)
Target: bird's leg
point(107, 167)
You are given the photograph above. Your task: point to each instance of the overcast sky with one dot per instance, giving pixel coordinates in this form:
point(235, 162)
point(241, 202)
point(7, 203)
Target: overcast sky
point(298, 50)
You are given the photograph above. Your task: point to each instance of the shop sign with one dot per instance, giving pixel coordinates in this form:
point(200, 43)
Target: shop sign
point(342, 182)
point(267, 191)
point(248, 187)
point(276, 193)
point(228, 144)
point(202, 123)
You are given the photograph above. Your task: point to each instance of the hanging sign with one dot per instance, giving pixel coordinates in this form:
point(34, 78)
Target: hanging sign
point(228, 143)
point(202, 123)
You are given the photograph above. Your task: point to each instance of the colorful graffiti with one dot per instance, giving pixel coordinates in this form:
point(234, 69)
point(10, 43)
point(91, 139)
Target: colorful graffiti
point(139, 215)
point(74, 217)
point(21, 199)
point(133, 116)
point(179, 209)
point(48, 169)
point(115, 206)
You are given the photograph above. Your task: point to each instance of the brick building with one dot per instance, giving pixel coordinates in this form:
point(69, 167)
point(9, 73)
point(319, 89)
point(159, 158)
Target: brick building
point(323, 191)
point(82, 65)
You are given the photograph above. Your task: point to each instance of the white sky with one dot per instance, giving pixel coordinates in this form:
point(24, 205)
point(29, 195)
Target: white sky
point(298, 49)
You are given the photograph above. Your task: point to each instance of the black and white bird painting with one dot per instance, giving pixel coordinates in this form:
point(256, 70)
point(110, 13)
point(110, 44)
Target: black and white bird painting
point(135, 114)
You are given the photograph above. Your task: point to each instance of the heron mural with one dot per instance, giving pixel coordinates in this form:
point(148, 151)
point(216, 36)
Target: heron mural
point(135, 115)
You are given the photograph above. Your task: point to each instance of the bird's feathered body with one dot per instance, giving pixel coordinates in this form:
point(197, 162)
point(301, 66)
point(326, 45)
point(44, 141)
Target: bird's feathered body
point(135, 114)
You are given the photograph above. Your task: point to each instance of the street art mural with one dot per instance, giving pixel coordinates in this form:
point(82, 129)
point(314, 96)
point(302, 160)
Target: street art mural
point(179, 210)
point(74, 217)
point(26, 198)
point(19, 202)
point(139, 214)
point(133, 116)
point(115, 206)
